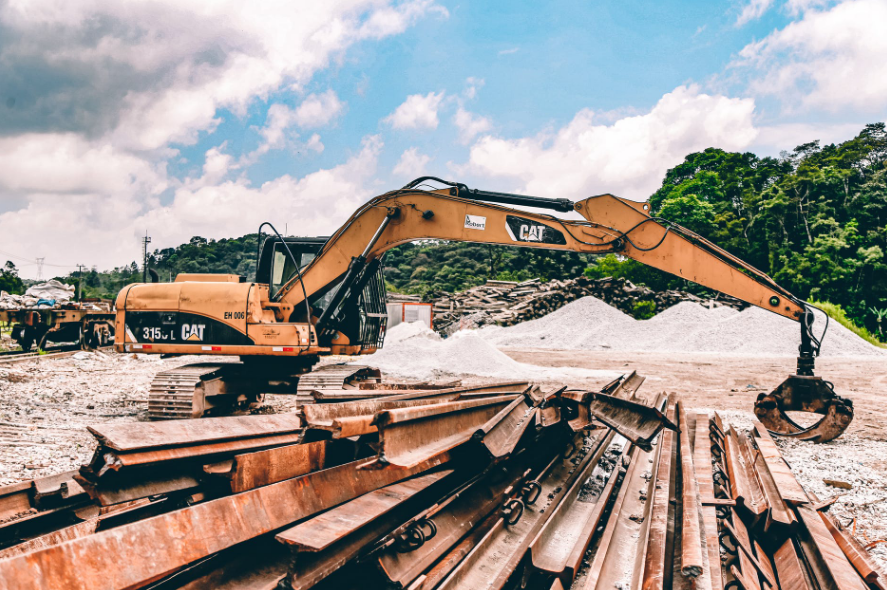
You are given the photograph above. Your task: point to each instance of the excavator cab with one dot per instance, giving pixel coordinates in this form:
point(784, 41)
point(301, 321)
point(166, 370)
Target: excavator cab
point(275, 268)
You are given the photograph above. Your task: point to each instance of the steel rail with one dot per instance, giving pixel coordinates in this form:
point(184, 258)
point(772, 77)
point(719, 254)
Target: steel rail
point(653, 569)
point(692, 541)
point(702, 472)
point(409, 436)
point(560, 545)
point(493, 560)
point(170, 541)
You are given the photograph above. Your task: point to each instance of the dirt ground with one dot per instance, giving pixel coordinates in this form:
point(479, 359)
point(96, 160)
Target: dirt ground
point(46, 404)
point(722, 382)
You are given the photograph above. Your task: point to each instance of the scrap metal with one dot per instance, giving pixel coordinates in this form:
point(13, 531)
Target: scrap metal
point(447, 490)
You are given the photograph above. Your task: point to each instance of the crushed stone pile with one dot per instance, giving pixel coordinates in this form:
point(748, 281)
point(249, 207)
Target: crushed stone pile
point(591, 324)
point(506, 303)
point(412, 350)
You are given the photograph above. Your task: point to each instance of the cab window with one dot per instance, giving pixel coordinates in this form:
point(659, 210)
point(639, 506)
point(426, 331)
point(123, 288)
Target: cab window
point(282, 269)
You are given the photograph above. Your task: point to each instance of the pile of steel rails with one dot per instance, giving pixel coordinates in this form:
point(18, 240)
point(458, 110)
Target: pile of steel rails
point(510, 487)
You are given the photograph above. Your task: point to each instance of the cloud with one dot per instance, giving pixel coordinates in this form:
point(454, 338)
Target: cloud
point(416, 112)
point(318, 110)
point(412, 164)
point(97, 97)
point(628, 157)
point(831, 60)
point(509, 51)
point(470, 125)
point(66, 163)
point(753, 11)
point(104, 232)
point(472, 85)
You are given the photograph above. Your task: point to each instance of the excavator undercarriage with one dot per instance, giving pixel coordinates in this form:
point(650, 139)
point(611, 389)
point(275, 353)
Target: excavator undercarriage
point(317, 297)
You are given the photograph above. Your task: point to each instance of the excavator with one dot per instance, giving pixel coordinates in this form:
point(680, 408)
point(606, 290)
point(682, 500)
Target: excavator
point(315, 297)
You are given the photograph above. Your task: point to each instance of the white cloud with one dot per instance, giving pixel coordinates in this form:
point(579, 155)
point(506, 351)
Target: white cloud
point(412, 163)
point(470, 125)
point(66, 163)
point(753, 11)
point(830, 59)
point(417, 112)
point(318, 110)
point(628, 157)
point(314, 144)
point(105, 232)
point(772, 139)
point(102, 92)
point(509, 51)
point(472, 85)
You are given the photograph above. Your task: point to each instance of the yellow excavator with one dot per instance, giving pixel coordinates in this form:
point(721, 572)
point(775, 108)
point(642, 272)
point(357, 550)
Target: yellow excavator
point(315, 297)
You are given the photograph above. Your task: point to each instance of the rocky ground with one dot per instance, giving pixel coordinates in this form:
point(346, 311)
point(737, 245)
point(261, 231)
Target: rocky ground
point(46, 404)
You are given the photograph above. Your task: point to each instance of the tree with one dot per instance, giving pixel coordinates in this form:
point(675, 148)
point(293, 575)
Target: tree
point(9, 279)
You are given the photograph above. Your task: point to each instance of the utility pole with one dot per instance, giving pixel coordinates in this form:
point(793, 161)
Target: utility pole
point(145, 241)
point(40, 268)
point(80, 268)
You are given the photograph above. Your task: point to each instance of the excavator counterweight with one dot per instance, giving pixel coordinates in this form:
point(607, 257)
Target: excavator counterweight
point(316, 297)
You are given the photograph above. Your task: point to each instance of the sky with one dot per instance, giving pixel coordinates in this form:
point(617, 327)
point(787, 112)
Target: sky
point(182, 118)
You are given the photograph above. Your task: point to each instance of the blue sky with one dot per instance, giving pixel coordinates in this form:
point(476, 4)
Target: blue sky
point(183, 119)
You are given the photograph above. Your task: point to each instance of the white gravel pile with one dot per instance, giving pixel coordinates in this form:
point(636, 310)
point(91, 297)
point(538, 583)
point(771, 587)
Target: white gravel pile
point(414, 351)
point(591, 324)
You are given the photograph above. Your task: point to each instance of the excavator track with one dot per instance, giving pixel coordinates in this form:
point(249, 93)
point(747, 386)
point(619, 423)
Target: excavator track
point(179, 393)
point(194, 391)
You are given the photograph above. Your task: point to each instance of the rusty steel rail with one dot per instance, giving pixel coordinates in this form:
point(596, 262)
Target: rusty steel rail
point(692, 541)
point(560, 545)
point(495, 491)
point(409, 436)
point(170, 541)
point(494, 558)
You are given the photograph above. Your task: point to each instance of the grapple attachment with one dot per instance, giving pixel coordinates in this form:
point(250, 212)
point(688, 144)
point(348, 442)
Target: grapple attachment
point(805, 392)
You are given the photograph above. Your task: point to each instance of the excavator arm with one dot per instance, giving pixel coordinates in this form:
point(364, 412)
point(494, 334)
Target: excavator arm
point(609, 224)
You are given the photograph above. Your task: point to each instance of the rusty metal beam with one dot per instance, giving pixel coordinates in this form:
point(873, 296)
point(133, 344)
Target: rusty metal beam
point(653, 570)
point(452, 520)
point(318, 533)
point(324, 544)
point(855, 552)
point(169, 541)
point(825, 558)
point(501, 433)
point(702, 471)
point(494, 558)
point(133, 436)
point(409, 436)
point(620, 541)
point(560, 545)
point(744, 486)
point(778, 516)
point(692, 562)
point(788, 487)
point(251, 470)
point(638, 423)
point(790, 569)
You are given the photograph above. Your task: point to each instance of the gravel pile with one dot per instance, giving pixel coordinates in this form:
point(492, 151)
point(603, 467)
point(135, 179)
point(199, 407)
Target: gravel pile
point(591, 324)
point(414, 351)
